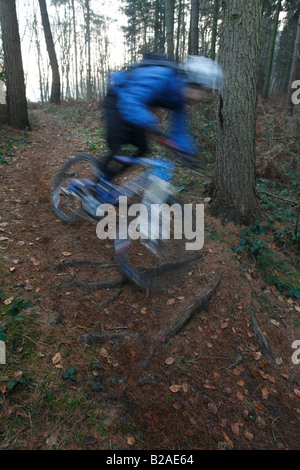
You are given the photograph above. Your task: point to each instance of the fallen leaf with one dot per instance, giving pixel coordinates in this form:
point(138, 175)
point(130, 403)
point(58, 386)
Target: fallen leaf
point(171, 302)
point(177, 405)
point(241, 383)
point(264, 364)
point(257, 355)
point(235, 428)
point(169, 361)
point(185, 387)
point(212, 408)
point(265, 393)
point(143, 310)
point(175, 388)
point(56, 358)
point(130, 440)
point(3, 388)
point(285, 376)
point(51, 441)
point(297, 392)
point(271, 379)
point(258, 405)
point(262, 374)
point(249, 435)
point(103, 352)
point(227, 439)
point(28, 287)
point(66, 253)
point(224, 325)
point(239, 396)
point(209, 387)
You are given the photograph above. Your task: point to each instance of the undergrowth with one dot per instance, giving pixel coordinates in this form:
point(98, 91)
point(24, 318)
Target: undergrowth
point(8, 149)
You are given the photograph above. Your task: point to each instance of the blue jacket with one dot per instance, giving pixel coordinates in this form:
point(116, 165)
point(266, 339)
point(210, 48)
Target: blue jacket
point(142, 88)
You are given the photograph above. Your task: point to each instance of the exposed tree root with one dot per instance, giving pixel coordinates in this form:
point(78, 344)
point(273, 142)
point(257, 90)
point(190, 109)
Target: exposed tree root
point(163, 336)
point(119, 281)
point(262, 340)
point(108, 335)
point(78, 263)
point(188, 313)
point(112, 298)
point(93, 286)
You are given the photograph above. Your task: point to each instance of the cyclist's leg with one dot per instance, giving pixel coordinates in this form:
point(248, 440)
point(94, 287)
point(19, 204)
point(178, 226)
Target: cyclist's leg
point(114, 138)
point(139, 140)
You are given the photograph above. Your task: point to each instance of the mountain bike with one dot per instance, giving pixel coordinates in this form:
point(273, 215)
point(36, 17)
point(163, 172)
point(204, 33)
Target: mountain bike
point(148, 260)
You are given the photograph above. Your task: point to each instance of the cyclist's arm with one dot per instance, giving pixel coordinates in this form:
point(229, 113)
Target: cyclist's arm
point(180, 134)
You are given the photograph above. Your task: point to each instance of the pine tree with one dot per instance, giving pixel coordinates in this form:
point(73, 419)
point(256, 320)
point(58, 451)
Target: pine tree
point(233, 189)
point(14, 74)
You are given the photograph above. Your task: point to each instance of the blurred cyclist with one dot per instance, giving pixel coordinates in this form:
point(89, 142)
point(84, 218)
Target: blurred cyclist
point(155, 82)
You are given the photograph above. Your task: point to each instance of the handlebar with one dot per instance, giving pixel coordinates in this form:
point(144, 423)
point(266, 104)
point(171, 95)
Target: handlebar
point(189, 158)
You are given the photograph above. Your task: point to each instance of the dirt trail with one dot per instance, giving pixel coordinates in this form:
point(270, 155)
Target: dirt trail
point(215, 385)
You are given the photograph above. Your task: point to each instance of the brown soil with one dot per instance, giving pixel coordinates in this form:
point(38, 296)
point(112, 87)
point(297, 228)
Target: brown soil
point(233, 391)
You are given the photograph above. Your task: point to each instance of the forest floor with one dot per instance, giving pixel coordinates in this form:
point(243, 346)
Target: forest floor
point(227, 380)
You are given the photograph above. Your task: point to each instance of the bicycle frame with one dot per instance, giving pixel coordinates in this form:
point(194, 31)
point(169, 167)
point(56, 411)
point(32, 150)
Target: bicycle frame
point(110, 193)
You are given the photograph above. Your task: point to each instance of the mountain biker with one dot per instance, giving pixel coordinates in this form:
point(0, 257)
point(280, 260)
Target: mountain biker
point(155, 82)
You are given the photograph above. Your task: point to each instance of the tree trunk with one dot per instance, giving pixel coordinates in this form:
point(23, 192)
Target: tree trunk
point(14, 73)
point(233, 190)
point(178, 30)
point(214, 30)
point(295, 70)
point(194, 27)
point(271, 52)
point(55, 89)
point(88, 43)
point(75, 49)
point(169, 15)
point(156, 27)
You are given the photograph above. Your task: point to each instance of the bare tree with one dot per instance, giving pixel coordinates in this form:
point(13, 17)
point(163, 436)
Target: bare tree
point(271, 51)
point(169, 15)
point(55, 89)
point(14, 73)
point(214, 29)
point(194, 27)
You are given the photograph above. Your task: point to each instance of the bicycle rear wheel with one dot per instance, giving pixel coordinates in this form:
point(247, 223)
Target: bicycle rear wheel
point(155, 266)
point(66, 205)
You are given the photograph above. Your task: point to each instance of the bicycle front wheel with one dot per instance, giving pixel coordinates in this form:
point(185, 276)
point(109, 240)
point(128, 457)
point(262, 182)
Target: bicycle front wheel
point(66, 205)
point(155, 264)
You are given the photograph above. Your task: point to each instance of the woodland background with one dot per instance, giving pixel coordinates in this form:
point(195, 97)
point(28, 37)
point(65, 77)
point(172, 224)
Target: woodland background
point(230, 379)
